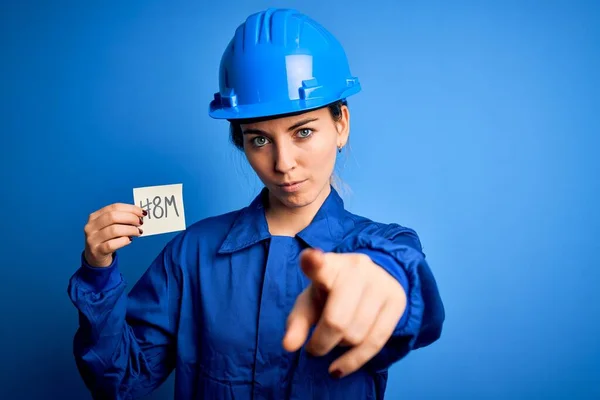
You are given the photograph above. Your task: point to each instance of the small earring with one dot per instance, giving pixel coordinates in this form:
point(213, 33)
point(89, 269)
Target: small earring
point(339, 149)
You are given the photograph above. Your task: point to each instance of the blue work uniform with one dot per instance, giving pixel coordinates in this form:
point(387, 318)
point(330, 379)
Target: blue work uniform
point(213, 306)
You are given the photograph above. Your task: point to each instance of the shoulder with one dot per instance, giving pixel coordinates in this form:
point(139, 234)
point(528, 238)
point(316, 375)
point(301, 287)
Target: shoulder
point(360, 228)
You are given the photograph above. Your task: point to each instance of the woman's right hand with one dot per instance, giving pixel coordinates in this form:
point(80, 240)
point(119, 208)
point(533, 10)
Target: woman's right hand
point(110, 229)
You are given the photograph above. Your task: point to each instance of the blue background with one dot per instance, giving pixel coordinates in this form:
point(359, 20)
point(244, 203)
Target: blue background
point(478, 126)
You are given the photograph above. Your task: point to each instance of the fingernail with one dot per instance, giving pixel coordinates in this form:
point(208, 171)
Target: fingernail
point(144, 212)
point(336, 373)
point(131, 238)
point(141, 221)
point(141, 231)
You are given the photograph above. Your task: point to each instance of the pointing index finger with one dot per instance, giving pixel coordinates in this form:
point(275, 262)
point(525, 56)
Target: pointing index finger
point(321, 268)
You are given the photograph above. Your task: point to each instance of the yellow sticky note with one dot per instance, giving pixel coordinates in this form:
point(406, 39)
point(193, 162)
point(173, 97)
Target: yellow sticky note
point(164, 205)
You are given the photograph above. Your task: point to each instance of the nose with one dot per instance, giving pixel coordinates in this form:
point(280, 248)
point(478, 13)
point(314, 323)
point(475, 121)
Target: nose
point(285, 160)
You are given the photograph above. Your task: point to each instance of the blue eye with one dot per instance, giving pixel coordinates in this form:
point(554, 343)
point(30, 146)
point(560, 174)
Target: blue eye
point(259, 141)
point(304, 133)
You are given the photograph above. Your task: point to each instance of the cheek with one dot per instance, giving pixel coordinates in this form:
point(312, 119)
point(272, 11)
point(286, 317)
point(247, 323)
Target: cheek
point(321, 154)
point(256, 162)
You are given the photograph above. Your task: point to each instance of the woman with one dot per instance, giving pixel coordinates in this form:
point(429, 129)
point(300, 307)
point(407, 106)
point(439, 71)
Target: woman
point(291, 297)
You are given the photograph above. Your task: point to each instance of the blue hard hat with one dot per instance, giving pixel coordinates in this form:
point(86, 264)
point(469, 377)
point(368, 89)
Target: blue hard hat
point(278, 62)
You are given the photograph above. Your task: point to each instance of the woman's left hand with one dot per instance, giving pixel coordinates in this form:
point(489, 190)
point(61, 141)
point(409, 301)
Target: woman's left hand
point(353, 302)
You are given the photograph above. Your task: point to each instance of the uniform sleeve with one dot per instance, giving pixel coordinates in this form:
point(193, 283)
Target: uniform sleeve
point(398, 250)
point(125, 344)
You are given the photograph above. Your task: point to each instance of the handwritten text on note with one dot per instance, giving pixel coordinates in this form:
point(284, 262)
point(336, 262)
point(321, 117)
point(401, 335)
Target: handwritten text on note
point(164, 205)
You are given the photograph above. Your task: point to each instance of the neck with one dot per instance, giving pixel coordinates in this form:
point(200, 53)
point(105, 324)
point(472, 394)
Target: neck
point(288, 221)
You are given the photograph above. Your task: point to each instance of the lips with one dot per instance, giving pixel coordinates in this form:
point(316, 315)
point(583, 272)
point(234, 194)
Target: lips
point(289, 183)
point(291, 187)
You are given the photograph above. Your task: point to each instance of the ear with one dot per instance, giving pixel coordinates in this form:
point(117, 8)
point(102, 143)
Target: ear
point(343, 127)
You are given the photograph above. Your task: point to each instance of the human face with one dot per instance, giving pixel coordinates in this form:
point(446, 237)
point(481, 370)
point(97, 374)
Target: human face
point(294, 156)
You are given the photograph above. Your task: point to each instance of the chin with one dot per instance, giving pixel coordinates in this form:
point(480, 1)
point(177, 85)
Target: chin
point(294, 200)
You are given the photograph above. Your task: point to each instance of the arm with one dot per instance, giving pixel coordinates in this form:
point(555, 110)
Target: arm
point(125, 345)
point(398, 250)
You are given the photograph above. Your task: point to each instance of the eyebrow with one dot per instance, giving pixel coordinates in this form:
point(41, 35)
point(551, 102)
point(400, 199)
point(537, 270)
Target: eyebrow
point(301, 122)
point(291, 128)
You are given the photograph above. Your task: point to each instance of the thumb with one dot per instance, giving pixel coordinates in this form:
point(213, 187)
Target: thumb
point(302, 317)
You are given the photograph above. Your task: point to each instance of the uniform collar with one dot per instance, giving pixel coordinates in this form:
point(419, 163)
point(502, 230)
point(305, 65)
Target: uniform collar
point(250, 227)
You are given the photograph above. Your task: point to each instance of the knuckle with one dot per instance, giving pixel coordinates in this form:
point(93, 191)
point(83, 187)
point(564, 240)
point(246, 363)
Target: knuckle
point(113, 230)
point(111, 217)
point(335, 323)
point(354, 337)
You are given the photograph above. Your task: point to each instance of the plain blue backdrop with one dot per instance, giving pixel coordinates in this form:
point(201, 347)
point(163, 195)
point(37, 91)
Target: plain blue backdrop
point(478, 126)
